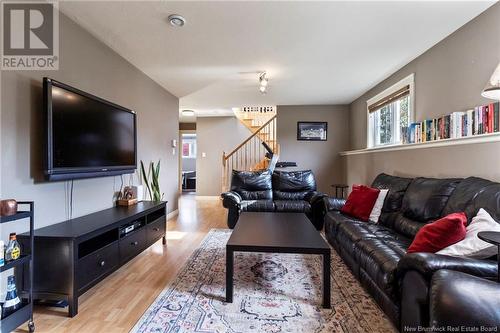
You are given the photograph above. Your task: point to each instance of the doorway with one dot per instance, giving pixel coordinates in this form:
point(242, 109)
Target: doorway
point(188, 162)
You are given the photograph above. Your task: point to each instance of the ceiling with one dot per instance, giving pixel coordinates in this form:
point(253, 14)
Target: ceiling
point(313, 52)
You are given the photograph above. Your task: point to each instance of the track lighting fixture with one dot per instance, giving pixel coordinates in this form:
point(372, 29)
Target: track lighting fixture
point(263, 81)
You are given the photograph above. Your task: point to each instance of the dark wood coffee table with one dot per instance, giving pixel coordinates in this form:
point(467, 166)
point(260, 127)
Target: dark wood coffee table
point(277, 233)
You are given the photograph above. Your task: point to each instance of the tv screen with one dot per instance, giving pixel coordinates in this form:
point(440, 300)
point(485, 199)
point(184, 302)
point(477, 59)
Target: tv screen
point(86, 135)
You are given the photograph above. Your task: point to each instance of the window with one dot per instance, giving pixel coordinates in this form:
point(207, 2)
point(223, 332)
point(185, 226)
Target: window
point(188, 145)
point(390, 114)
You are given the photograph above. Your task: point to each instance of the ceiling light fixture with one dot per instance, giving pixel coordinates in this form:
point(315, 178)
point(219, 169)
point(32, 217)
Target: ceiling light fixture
point(492, 89)
point(263, 81)
point(188, 113)
point(176, 20)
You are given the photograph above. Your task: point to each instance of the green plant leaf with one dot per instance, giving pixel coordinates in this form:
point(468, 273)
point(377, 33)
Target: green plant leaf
point(146, 179)
point(154, 184)
point(152, 180)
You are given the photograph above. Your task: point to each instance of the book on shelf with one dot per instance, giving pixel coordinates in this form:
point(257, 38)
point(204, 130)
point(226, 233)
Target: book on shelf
point(496, 120)
point(479, 120)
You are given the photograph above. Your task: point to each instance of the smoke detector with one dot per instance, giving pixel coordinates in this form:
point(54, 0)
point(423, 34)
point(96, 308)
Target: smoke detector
point(176, 20)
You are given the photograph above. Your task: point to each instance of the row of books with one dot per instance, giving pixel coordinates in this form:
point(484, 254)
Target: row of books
point(480, 120)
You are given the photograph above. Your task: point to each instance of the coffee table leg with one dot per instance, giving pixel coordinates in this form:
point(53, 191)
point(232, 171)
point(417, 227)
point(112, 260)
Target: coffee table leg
point(229, 275)
point(326, 281)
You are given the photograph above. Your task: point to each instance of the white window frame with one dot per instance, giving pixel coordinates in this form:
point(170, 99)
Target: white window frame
point(410, 81)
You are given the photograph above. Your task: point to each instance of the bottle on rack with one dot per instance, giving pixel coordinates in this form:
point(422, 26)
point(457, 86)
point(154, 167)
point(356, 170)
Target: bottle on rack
point(12, 302)
point(13, 250)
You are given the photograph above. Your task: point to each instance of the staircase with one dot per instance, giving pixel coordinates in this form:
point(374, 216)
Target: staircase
point(254, 152)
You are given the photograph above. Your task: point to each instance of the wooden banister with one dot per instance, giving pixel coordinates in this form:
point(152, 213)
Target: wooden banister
point(251, 154)
point(256, 133)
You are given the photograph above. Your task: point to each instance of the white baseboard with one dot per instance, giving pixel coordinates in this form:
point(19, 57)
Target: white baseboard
point(172, 214)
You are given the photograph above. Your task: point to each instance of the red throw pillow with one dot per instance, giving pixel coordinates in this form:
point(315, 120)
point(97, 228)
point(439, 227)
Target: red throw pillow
point(439, 234)
point(360, 202)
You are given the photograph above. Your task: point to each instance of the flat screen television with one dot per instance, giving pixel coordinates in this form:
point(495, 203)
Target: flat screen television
point(86, 136)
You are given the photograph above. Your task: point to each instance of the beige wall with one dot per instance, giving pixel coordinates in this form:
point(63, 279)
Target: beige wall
point(322, 157)
point(214, 135)
point(448, 77)
point(91, 66)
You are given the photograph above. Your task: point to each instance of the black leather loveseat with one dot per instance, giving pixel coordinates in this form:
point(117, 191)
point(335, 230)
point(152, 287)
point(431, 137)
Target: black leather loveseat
point(376, 253)
point(280, 191)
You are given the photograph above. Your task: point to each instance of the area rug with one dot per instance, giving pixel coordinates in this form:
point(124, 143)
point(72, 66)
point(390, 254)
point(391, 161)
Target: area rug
point(272, 293)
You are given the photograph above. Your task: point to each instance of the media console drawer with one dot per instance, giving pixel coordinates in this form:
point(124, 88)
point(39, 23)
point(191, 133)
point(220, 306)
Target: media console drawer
point(156, 229)
point(96, 264)
point(133, 244)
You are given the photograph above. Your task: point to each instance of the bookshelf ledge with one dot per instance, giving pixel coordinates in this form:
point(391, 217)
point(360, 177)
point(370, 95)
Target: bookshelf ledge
point(482, 138)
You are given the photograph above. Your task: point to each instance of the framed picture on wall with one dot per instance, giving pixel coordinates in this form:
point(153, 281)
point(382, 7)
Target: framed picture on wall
point(311, 131)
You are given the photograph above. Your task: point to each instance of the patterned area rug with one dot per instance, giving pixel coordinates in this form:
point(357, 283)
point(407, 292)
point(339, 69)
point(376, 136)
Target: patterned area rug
point(272, 293)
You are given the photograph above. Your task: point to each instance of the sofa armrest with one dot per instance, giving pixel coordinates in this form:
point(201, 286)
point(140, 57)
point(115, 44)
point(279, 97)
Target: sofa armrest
point(333, 204)
point(428, 263)
point(314, 196)
point(230, 198)
point(458, 299)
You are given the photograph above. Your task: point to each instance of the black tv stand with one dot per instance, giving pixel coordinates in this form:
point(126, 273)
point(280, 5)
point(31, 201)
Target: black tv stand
point(75, 255)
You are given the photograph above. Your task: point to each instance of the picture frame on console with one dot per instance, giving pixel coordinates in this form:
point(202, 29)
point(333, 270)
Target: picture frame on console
point(312, 131)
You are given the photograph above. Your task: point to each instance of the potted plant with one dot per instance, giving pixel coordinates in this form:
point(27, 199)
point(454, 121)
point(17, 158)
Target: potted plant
point(151, 179)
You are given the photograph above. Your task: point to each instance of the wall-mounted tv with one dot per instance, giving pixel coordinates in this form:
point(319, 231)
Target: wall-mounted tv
point(86, 136)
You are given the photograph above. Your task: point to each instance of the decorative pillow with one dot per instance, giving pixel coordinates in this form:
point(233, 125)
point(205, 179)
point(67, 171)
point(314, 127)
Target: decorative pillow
point(472, 246)
point(439, 234)
point(360, 202)
point(377, 208)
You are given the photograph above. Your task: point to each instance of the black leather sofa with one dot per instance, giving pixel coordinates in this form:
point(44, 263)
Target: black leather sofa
point(280, 191)
point(462, 300)
point(376, 253)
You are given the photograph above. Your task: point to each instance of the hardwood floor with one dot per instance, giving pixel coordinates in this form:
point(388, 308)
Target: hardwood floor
point(115, 304)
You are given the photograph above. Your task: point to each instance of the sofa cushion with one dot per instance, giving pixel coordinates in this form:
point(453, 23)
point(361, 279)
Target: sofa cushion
point(488, 199)
point(252, 185)
point(374, 248)
point(462, 198)
point(425, 198)
point(293, 185)
point(397, 187)
point(406, 226)
point(358, 230)
point(360, 202)
point(257, 206)
point(472, 246)
point(377, 208)
point(355, 231)
point(439, 234)
point(296, 206)
point(334, 219)
point(379, 258)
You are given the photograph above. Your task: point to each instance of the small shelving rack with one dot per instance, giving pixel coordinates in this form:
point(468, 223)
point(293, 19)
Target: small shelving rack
point(25, 313)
